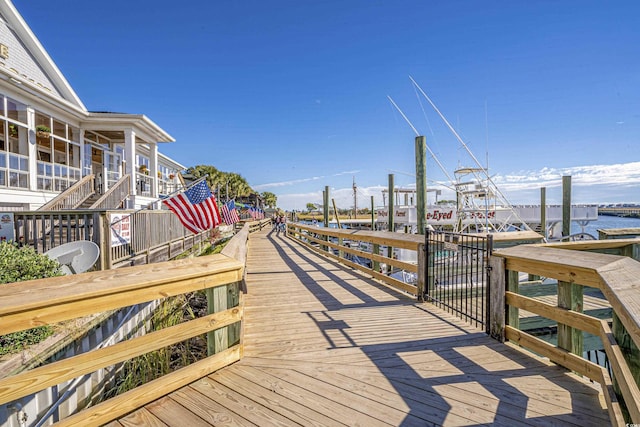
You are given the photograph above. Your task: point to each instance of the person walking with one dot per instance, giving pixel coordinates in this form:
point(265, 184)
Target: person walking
point(283, 223)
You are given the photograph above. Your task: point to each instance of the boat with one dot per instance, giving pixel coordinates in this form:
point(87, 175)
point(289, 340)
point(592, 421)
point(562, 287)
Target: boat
point(480, 206)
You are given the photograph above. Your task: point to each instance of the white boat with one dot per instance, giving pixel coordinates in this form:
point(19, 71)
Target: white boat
point(480, 206)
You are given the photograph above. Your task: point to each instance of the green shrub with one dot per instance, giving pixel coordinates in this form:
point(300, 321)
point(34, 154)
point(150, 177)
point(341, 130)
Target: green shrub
point(17, 265)
point(20, 264)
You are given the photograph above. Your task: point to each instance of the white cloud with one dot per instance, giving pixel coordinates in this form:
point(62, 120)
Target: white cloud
point(590, 184)
point(262, 187)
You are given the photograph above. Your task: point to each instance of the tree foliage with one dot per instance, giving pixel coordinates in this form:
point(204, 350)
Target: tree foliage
point(19, 264)
point(270, 199)
point(226, 185)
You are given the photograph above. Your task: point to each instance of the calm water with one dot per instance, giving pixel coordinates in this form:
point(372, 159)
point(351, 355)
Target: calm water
point(604, 222)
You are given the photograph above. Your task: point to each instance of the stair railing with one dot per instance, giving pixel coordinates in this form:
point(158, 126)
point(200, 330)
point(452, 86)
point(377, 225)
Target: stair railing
point(73, 196)
point(115, 195)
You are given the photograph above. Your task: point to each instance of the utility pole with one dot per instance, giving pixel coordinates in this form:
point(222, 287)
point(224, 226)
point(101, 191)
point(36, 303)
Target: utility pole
point(355, 199)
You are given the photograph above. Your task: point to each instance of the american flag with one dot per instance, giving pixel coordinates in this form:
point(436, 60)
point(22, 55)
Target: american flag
point(196, 208)
point(256, 213)
point(229, 213)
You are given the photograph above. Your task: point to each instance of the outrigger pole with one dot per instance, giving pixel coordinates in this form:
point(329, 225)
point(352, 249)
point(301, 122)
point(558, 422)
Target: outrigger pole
point(427, 145)
point(495, 187)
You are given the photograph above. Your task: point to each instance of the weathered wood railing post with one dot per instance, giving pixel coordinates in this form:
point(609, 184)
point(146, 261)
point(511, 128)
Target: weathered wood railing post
point(376, 250)
point(570, 297)
point(630, 353)
point(429, 259)
point(513, 285)
point(422, 269)
point(103, 226)
point(497, 306)
point(223, 297)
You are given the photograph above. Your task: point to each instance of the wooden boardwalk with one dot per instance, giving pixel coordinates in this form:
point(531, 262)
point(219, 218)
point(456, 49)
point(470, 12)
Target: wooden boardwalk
point(327, 346)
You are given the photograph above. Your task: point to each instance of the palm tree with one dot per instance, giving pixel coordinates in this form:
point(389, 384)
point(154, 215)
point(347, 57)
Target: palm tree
point(270, 199)
point(226, 185)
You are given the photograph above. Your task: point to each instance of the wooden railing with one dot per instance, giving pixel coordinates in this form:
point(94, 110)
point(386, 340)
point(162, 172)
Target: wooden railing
point(343, 244)
point(44, 230)
point(48, 301)
point(149, 236)
point(614, 273)
point(73, 196)
point(253, 224)
point(115, 195)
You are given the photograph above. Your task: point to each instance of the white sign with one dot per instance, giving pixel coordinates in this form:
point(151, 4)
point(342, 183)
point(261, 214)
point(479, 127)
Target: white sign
point(120, 229)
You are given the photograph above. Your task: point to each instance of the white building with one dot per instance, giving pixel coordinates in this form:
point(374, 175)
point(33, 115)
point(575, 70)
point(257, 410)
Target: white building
point(36, 166)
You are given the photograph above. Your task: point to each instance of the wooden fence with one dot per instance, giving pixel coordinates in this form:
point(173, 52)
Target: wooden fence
point(351, 247)
point(124, 237)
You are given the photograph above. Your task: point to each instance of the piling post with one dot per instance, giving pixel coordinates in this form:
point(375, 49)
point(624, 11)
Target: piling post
point(392, 203)
point(376, 246)
point(373, 216)
point(421, 189)
point(325, 204)
point(543, 211)
point(566, 206)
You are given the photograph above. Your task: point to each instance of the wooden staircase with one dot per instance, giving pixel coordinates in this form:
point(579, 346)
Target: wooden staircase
point(82, 195)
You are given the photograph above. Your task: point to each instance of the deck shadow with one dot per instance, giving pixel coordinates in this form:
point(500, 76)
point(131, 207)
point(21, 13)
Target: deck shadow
point(417, 384)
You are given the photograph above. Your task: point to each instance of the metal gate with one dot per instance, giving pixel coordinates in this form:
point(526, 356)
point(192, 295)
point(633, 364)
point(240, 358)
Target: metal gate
point(457, 272)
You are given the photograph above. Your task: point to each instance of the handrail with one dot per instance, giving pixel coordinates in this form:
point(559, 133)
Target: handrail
point(115, 195)
point(307, 235)
point(73, 196)
point(32, 303)
point(618, 277)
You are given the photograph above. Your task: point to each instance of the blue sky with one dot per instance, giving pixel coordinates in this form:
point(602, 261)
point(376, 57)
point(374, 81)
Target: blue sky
point(293, 95)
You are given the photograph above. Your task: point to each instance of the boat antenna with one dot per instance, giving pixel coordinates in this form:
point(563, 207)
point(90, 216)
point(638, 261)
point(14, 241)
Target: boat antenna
point(447, 123)
point(418, 134)
point(486, 127)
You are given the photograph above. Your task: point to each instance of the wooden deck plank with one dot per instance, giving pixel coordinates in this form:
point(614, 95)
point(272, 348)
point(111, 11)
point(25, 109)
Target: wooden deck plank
point(208, 409)
point(325, 345)
point(301, 401)
point(172, 413)
point(141, 417)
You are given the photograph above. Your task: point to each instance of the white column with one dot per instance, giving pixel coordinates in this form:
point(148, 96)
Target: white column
point(33, 152)
point(130, 157)
point(153, 159)
point(83, 170)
